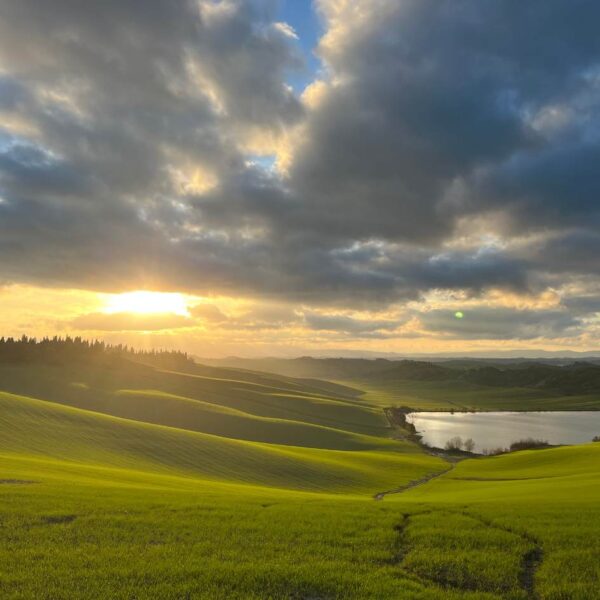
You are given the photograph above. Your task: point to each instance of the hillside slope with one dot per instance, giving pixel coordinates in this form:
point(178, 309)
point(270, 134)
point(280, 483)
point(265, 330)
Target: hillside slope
point(453, 385)
point(30, 427)
point(529, 520)
point(233, 404)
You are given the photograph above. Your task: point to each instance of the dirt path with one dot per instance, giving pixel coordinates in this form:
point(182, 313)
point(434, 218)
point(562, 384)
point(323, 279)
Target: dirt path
point(413, 484)
point(397, 419)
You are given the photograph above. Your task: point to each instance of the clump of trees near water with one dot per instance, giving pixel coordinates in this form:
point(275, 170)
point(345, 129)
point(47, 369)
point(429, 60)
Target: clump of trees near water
point(524, 444)
point(457, 444)
point(65, 350)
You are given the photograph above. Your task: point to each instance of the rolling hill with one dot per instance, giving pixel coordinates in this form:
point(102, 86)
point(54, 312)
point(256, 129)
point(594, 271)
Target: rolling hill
point(188, 399)
point(452, 385)
point(128, 478)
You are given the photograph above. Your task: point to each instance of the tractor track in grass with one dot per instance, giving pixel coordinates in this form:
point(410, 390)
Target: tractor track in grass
point(413, 484)
point(530, 564)
point(530, 560)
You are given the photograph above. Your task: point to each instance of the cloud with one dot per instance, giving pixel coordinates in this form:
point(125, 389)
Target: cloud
point(349, 325)
point(208, 312)
point(488, 323)
point(261, 316)
point(570, 252)
point(130, 134)
point(426, 116)
point(129, 322)
point(554, 187)
point(129, 121)
point(588, 305)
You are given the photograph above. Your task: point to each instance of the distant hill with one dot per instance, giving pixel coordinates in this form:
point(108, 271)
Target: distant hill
point(35, 429)
point(575, 377)
point(309, 367)
point(578, 378)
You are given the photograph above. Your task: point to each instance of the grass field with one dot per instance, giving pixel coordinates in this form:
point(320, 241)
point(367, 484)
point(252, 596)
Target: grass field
point(532, 509)
point(435, 386)
point(458, 395)
point(148, 484)
point(37, 428)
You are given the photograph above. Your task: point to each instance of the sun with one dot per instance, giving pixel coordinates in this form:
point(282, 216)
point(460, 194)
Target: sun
point(146, 303)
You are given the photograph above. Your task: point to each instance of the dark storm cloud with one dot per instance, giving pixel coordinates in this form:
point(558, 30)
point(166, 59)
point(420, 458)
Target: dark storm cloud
point(117, 96)
point(573, 252)
point(557, 187)
point(502, 323)
point(429, 92)
point(583, 305)
point(475, 272)
point(435, 111)
point(349, 325)
point(128, 130)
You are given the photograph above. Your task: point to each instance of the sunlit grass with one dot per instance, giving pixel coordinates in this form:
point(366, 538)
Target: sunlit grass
point(459, 395)
point(97, 506)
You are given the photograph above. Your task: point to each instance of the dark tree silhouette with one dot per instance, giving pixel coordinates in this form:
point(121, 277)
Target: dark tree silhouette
point(64, 350)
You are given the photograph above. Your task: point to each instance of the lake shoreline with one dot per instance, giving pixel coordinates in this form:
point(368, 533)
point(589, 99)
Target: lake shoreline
point(485, 432)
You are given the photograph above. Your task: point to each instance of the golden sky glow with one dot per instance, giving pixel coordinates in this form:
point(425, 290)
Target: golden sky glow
point(222, 325)
point(285, 179)
point(145, 303)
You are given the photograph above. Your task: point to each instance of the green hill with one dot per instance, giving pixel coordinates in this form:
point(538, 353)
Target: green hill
point(527, 521)
point(168, 396)
point(453, 385)
point(150, 477)
point(30, 427)
point(186, 413)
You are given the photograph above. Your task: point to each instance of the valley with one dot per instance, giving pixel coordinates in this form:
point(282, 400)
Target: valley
point(132, 480)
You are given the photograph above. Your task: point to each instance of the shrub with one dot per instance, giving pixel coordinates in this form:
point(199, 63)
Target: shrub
point(596, 438)
point(455, 443)
point(494, 451)
point(528, 444)
point(469, 445)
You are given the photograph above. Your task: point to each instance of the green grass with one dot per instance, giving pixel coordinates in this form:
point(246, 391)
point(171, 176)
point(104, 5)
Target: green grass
point(83, 531)
point(187, 413)
point(100, 389)
point(459, 551)
point(63, 540)
point(545, 500)
point(253, 487)
point(40, 428)
point(459, 395)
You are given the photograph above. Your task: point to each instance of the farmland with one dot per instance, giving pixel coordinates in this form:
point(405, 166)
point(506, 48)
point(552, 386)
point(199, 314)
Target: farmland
point(134, 481)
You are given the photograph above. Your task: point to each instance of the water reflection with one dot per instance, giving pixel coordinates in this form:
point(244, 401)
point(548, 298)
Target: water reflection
point(499, 429)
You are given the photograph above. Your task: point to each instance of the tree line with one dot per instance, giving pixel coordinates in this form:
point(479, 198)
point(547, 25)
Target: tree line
point(63, 350)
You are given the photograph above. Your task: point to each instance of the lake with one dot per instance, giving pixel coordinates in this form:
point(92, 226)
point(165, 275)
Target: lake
point(499, 429)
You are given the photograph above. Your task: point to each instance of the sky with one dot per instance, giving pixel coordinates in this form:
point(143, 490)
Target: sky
point(254, 177)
